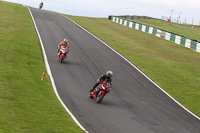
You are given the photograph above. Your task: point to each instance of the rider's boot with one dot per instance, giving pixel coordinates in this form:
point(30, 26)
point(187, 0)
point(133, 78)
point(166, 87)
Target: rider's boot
point(91, 90)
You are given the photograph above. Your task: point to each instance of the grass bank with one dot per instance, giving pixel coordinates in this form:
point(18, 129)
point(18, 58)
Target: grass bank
point(188, 31)
point(173, 67)
point(27, 104)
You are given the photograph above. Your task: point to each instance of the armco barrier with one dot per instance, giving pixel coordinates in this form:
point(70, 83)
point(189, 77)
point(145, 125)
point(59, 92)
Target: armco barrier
point(159, 33)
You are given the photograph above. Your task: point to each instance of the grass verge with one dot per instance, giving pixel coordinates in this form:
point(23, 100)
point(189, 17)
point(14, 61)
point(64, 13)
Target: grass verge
point(188, 31)
point(173, 67)
point(27, 104)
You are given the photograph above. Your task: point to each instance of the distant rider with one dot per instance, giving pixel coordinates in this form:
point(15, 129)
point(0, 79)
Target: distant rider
point(65, 44)
point(105, 77)
point(41, 5)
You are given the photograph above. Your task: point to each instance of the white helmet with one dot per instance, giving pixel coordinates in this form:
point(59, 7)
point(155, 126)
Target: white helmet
point(109, 73)
point(65, 40)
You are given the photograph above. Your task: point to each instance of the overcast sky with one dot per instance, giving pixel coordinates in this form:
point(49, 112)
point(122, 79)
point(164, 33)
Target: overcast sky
point(103, 8)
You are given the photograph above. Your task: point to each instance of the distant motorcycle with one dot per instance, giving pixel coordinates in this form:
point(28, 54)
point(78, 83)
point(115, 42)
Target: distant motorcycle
point(62, 54)
point(41, 5)
point(100, 91)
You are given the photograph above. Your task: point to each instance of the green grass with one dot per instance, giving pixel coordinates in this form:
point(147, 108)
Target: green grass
point(173, 67)
point(27, 104)
point(180, 29)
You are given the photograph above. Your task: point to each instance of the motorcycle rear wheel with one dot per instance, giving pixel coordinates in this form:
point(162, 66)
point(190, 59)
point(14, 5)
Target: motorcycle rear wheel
point(100, 98)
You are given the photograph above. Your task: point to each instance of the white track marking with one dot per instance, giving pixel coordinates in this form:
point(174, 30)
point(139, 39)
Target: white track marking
point(51, 77)
point(136, 69)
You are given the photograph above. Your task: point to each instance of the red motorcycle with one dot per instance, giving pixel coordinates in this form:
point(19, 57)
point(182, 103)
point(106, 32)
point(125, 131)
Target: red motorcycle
point(100, 91)
point(62, 54)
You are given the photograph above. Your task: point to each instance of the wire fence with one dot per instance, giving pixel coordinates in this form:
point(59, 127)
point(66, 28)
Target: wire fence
point(136, 17)
point(190, 28)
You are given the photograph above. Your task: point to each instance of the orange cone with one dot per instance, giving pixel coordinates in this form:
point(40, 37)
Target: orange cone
point(43, 76)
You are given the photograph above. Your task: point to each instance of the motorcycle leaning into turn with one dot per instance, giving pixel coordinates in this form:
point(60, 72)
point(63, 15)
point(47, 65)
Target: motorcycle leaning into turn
point(41, 5)
point(100, 91)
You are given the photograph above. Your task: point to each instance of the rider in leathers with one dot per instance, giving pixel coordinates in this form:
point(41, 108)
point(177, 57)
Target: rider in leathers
point(41, 5)
point(64, 43)
point(105, 77)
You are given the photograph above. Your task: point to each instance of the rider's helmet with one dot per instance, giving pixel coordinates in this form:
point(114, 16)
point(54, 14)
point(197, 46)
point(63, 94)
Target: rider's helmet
point(109, 73)
point(65, 40)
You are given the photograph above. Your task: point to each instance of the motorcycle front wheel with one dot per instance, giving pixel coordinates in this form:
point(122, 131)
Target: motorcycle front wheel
point(100, 98)
point(61, 58)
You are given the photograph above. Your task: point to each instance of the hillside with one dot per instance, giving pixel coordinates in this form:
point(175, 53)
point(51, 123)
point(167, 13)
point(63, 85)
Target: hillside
point(173, 67)
point(188, 31)
point(27, 104)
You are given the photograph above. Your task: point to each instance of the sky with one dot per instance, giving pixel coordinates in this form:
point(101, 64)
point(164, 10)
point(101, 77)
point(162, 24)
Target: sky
point(188, 10)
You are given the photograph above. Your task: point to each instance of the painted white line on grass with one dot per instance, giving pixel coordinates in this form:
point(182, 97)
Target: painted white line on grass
point(136, 69)
point(51, 77)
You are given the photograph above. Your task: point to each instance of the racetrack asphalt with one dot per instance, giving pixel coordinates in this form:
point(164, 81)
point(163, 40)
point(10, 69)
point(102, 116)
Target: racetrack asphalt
point(135, 104)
